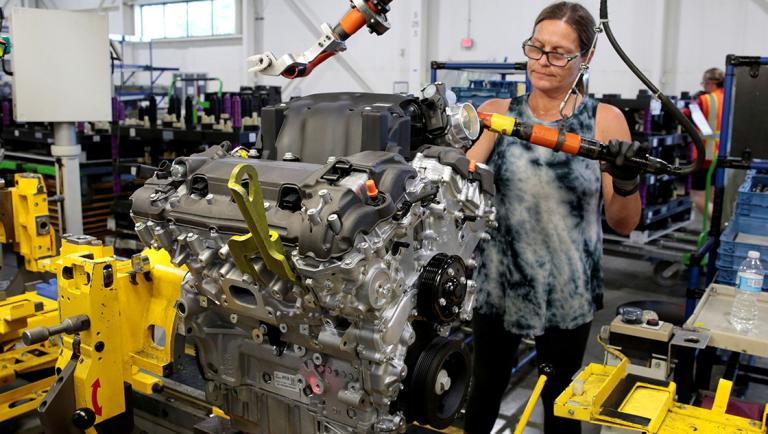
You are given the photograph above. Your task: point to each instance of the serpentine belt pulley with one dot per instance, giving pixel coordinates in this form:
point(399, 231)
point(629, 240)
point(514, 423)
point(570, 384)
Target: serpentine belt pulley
point(442, 287)
point(437, 383)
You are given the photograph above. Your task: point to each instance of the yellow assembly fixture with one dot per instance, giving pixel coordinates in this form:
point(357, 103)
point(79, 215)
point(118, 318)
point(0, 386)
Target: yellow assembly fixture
point(24, 220)
point(120, 325)
point(18, 313)
point(610, 396)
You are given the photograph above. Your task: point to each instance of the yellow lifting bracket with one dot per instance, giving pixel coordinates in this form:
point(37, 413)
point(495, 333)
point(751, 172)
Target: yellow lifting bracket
point(261, 240)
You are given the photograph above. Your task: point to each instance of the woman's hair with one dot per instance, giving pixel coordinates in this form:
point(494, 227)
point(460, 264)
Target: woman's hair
point(576, 16)
point(715, 75)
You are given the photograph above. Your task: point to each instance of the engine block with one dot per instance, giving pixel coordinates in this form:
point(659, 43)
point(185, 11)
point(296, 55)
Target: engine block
point(320, 296)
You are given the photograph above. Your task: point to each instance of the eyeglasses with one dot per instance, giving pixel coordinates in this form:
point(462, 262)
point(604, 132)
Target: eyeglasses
point(553, 57)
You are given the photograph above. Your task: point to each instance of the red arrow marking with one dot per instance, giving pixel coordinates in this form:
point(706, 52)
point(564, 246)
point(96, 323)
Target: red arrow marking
point(95, 397)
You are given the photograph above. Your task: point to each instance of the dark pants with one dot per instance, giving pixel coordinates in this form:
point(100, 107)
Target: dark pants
point(494, 358)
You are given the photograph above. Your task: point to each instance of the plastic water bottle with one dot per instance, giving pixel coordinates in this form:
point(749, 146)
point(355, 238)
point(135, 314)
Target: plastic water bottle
point(749, 283)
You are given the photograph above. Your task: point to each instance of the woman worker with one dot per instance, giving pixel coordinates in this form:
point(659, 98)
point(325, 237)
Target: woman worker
point(540, 273)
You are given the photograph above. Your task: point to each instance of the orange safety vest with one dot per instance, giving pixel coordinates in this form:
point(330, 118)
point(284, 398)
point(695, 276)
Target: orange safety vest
point(712, 107)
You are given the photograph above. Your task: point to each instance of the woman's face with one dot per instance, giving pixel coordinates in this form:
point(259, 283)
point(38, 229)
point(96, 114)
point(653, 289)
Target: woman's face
point(554, 35)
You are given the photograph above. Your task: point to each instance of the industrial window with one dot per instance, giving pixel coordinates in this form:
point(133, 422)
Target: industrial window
point(189, 19)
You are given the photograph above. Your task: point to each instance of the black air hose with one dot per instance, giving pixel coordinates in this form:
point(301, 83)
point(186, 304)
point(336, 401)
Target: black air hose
point(665, 102)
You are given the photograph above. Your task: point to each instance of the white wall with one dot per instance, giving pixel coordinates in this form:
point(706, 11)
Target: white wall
point(696, 35)
point(711, 29)
point(499, 27)
point(672, 41)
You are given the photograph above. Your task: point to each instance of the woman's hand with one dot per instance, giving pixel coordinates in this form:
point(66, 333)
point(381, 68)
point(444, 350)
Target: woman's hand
point(622, 212)
point(483, 147)
point(626, 178)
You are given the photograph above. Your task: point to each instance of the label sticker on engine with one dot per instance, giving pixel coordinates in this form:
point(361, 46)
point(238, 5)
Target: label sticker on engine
point(287, 381)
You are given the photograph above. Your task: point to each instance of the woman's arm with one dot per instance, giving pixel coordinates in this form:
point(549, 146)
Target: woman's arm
point(483, 147)
point(622, 213)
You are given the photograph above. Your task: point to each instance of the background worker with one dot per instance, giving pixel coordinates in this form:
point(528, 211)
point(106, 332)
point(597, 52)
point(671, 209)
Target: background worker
point(711, 104)
point(540, 274)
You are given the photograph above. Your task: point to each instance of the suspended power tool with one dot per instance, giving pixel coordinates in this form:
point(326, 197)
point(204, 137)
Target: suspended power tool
point(558, 140)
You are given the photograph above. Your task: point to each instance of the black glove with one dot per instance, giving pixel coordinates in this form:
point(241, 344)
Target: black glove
point(626, 179)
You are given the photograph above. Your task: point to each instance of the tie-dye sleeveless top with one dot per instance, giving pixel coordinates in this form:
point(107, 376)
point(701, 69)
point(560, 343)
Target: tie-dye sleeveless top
point(542, 266)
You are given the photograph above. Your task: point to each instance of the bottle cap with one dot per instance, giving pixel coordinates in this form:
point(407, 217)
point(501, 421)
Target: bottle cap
point(753, 254)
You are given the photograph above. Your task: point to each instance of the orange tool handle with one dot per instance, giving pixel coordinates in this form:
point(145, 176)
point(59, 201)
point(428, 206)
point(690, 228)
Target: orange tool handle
point(540, 135)
point(548, 137)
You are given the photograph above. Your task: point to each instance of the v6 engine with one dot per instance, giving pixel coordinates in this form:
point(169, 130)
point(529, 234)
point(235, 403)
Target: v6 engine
point(321, 294)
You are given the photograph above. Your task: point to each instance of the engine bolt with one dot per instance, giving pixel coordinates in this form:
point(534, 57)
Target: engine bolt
point(233, 318)
point(257, 336)
point(317, 359)
point(441, 301)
